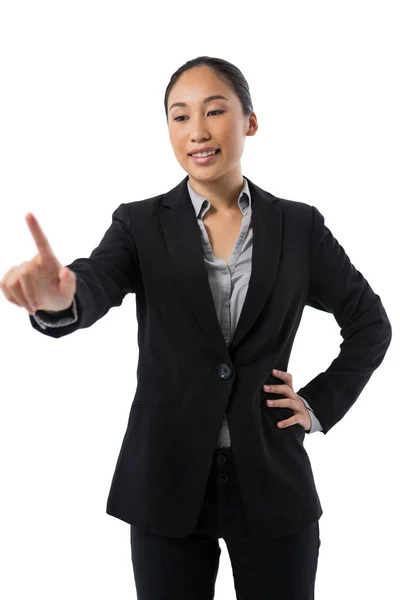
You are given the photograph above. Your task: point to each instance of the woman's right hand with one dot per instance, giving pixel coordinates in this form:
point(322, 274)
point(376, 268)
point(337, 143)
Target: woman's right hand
point(42, 283)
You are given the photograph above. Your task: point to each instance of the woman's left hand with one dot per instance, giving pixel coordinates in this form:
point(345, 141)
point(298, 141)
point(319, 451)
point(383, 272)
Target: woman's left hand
point(292, 400)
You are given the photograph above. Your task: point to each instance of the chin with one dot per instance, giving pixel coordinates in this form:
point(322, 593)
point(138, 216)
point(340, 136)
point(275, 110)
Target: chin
point(203, 173)
point(205, 178)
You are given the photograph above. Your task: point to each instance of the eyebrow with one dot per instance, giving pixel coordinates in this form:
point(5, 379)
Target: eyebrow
point(208, 99)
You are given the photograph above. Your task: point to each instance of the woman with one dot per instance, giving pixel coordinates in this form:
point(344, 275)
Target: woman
point(222, 271)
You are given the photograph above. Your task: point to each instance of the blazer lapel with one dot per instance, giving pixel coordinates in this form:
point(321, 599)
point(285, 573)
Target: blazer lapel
point(183, 241)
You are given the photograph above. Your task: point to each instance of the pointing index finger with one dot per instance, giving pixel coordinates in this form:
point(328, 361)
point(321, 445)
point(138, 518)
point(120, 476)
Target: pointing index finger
point(41, 241)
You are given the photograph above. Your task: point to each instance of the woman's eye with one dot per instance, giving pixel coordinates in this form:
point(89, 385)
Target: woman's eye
point(209, 112)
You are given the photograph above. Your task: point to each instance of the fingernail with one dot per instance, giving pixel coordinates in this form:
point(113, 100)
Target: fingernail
point(276, 371)
point(267, 387)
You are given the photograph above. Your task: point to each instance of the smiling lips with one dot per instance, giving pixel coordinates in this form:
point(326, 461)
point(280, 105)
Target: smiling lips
point(204, 159)
point(204, 149)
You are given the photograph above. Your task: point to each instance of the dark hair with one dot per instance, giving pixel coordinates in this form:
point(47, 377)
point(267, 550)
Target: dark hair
point(231, 74)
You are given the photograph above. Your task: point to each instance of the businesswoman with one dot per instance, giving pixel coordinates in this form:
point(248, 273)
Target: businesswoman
point(221, 270)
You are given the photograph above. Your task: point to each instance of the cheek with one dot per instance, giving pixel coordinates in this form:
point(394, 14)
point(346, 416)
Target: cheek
point(233, 147)
point(175, 137)
point(178, 149)
point(234, 137)
point(178, 144)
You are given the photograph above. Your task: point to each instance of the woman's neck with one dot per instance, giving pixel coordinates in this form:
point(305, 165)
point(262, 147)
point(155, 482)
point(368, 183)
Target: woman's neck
point(222, 196)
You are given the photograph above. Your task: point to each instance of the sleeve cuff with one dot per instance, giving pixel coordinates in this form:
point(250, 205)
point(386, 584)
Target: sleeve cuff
point(58, 319)
point(315, 424)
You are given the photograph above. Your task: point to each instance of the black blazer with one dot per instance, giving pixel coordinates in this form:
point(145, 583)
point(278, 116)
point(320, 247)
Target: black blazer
point(186, 376)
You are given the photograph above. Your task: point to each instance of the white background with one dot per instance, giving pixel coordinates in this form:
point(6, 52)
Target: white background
point(82, 130)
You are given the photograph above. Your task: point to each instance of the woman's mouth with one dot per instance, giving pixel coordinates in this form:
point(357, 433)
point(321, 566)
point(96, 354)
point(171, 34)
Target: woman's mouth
point(202, 160)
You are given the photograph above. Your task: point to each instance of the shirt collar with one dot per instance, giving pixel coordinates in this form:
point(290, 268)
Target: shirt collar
point(201, 205)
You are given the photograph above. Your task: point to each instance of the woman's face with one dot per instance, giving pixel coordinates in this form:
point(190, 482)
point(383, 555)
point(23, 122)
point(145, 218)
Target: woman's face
point(219, 123)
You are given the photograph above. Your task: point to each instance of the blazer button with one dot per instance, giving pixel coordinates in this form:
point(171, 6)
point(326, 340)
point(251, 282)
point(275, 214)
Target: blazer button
point(224, 371)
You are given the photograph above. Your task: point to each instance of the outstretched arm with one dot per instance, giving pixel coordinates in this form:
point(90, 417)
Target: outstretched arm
point(102, 280)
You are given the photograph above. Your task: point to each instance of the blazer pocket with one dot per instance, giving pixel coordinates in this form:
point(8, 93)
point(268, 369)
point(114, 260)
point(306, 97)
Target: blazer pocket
point(161, 400)
point(156, 393)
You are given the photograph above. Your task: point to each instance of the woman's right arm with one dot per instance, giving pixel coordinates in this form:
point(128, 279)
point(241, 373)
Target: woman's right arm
point(75, 296)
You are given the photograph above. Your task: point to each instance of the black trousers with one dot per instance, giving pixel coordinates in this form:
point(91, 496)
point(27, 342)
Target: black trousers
point(168, 568)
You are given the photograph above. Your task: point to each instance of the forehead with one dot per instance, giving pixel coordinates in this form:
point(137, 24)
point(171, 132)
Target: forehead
point(197, 83)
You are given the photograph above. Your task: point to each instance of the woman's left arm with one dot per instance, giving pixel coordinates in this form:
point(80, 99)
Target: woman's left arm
point(337, 287)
